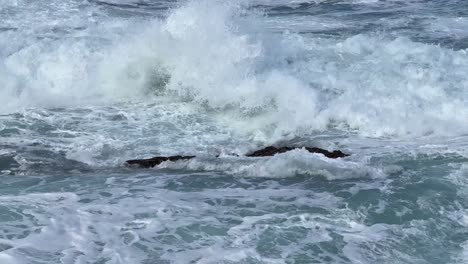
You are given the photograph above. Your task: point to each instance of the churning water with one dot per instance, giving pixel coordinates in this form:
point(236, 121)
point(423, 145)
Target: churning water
point(88, 84)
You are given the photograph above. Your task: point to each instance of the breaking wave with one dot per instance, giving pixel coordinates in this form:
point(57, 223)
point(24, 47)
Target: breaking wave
point(224, 57)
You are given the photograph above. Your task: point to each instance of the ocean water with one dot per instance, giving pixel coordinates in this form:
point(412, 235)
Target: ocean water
point(88, 84)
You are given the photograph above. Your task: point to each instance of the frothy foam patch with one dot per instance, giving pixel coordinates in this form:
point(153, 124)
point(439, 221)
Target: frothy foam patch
point(290, 164)
point(159, 222)
point(453, 27)
point(460, 178)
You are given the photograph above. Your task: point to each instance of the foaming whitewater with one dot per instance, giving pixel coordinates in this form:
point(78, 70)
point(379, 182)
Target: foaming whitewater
point(87, 85)
point(227, 60)
point(378, 86)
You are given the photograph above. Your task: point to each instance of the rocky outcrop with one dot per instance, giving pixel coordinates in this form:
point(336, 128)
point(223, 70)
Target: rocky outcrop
point(265, 152)
point(149, 163)
point(270, 151)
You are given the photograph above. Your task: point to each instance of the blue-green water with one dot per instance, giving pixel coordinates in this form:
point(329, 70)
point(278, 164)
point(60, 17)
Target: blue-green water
point(86, 85)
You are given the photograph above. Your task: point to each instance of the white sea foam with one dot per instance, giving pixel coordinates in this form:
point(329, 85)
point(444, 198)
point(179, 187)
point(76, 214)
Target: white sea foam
point(290, 164)
point(370, 84)
point(452, 27)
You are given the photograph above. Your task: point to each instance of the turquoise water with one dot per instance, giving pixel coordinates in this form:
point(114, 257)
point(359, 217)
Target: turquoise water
point(86, 85)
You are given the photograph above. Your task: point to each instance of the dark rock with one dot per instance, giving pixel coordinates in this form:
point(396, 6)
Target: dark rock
point(270, 151)
point(149, 163)
point(265, 152)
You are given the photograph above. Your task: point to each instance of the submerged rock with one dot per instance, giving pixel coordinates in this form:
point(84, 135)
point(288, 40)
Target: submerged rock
point(270, 151)
point(149, 163)
point(265, 152)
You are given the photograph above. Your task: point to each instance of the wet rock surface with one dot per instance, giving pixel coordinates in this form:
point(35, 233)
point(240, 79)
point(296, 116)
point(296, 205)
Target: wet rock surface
point(265, 152)
point(152, 162)
point(271, 150)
